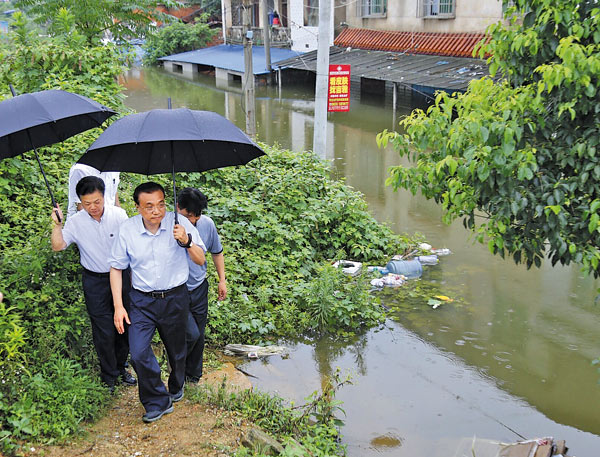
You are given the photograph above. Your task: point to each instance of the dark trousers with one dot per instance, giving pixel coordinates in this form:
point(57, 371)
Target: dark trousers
point(112, 348)
point(194, 332)
point(167, 315)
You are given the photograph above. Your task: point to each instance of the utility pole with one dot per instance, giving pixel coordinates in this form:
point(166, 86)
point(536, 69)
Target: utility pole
point(320, 133)
point(248, 73)
point(267, 39)
point(224, 17)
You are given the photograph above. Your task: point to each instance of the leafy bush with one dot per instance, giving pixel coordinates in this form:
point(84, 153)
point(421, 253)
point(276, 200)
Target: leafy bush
point(54, 401)
point(176, 38)
point(281, 218)
point(49, 380)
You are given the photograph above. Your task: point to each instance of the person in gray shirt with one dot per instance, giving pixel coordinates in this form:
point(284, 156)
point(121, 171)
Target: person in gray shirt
point(191, 203)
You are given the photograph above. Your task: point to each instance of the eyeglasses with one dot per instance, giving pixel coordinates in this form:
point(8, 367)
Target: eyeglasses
point(151, 208)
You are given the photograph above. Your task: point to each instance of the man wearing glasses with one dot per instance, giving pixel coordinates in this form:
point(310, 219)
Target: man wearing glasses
point(157, 251)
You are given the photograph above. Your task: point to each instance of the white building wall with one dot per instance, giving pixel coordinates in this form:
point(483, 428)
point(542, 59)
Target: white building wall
point(304, 39)
point(402, 15)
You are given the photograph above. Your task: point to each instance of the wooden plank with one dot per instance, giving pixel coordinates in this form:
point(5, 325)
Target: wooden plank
point(544, 451)
point(561, 447)
point(517, 450)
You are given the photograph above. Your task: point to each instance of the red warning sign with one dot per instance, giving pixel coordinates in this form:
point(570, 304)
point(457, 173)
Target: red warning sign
point(338, 95)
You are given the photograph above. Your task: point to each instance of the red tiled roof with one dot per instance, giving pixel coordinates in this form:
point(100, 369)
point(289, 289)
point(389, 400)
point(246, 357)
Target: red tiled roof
point(441, 44)
point(180, 13)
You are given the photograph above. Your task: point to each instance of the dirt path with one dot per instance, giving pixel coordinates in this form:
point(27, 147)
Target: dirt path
point(191, 430)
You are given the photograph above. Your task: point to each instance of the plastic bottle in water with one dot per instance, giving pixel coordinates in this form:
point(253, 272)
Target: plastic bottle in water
point(408, 268)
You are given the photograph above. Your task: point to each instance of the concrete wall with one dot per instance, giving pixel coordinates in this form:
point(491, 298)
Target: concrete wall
point(304, 39)
point(470, 16)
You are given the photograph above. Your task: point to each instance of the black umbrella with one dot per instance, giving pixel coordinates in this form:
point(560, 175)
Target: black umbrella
point(170, 140)
point(30, 121)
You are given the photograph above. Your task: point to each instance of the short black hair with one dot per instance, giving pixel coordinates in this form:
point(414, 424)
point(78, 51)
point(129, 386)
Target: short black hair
point(89, 185)
point(146, 188)
point(192, 200)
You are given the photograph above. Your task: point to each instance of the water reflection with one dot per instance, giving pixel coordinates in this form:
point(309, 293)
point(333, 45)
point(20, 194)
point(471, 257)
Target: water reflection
point(511, 338)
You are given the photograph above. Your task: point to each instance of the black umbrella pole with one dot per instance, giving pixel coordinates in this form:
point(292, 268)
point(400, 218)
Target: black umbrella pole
point(47, 184)
point(175, 197)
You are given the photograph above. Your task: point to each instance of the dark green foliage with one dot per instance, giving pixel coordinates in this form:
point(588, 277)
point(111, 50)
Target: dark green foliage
point(523, 152)
point(282, 218)
point(176, 38)
point(53, 401)
point(31, 63)
point(49, 380)
point(93, 18)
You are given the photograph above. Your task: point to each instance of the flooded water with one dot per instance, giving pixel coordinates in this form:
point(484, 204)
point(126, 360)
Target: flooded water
point(509, 357)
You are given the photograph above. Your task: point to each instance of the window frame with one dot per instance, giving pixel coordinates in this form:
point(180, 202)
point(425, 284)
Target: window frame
point(364, 9)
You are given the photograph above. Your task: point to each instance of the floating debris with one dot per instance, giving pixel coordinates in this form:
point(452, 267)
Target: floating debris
point(254, 352)
point(349, 267)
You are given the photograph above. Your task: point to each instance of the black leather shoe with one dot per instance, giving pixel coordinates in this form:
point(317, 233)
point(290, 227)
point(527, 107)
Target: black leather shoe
point(127, 378)
point(192, 379)
point(152, 416)
point(177, 396)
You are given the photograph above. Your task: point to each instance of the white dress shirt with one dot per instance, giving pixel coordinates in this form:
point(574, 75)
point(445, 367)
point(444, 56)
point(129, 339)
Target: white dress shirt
point(94, 238)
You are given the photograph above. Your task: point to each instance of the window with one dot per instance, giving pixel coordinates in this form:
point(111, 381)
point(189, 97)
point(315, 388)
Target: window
point(372, 8)
point(311, 13)
point(438, 9)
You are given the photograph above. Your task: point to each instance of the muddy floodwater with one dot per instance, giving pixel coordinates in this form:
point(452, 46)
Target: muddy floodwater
point(509, 357)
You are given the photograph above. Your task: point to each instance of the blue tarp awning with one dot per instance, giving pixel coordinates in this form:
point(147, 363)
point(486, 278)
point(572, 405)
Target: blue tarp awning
point(231, 57)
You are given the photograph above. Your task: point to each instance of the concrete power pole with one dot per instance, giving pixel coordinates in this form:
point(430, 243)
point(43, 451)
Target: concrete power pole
point(248, 85)
point(267, 39)
point(320, 133)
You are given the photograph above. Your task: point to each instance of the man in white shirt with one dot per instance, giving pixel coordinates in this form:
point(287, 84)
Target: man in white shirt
point(95, 230)
point(111, 185)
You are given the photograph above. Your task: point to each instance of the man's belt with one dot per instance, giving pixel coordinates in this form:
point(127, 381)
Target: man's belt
point(161, 293)
point(97, 275)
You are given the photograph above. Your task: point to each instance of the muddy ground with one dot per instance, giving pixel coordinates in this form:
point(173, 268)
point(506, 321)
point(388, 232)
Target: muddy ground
point(191, 430)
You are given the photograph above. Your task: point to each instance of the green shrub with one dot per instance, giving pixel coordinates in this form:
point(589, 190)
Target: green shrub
point(281, 219)
point(54, 401)
point(48, 381)
point(176, 38)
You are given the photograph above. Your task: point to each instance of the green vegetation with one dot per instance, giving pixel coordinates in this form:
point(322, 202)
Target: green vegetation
point(176, 38)
point(123, 19)
point(48, 382)
point(281, 219)
point(308, 429)
point(519, 159)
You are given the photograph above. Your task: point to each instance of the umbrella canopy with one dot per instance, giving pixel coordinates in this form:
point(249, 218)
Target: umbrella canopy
point(169, 140)
point(30, 121)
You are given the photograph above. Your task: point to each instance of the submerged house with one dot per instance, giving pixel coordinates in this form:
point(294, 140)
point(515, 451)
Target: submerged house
point(418, 46)
point(298, 26)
